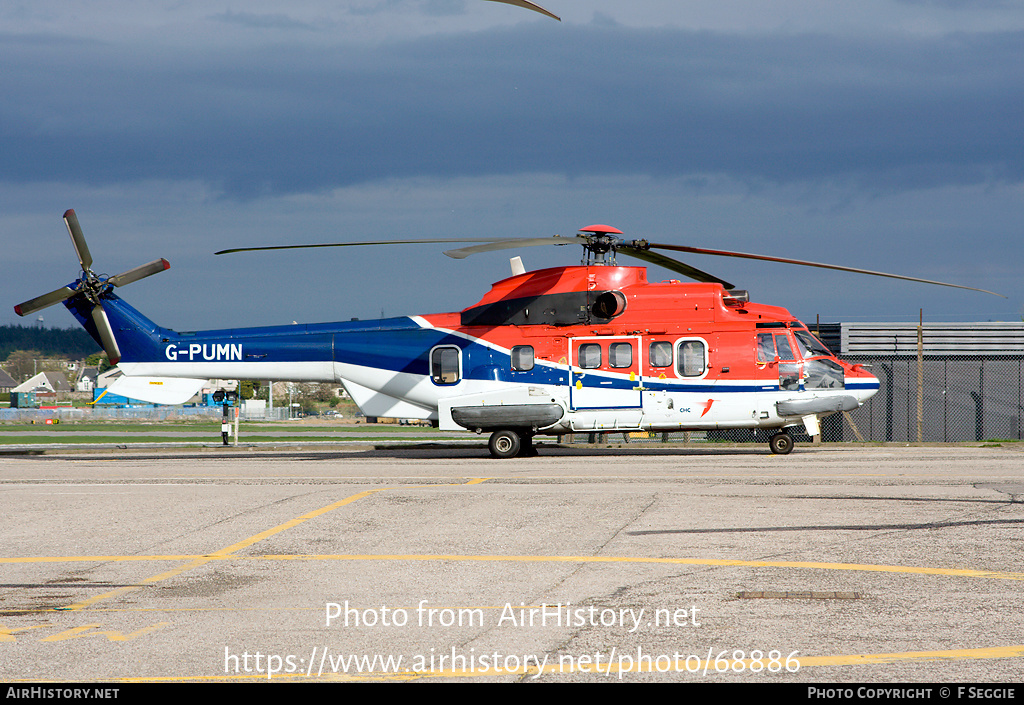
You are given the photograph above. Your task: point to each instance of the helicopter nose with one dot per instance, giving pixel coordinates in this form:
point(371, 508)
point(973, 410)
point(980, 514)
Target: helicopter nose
point(867, 386)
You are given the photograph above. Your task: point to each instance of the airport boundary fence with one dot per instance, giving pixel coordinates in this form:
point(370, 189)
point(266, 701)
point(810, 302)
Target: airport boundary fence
point(159, 413)
point(963, 398)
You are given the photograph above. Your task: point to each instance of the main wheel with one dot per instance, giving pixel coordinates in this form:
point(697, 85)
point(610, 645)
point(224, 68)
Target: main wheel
point(504, 444)
point(781, 443)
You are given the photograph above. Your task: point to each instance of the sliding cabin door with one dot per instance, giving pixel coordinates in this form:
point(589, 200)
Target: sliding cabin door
point(605, 373)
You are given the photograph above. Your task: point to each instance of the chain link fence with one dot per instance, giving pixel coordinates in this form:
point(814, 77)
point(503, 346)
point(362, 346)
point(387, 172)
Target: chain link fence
point(963, 398)
point(85, 415)
point(160, 413)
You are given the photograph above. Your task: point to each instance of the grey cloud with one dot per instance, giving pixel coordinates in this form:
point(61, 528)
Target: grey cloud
point(444, 8)
point(891, 112)
point(261, 21)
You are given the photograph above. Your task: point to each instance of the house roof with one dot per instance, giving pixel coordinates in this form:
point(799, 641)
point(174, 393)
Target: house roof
point(6, 381)
point(52, 381)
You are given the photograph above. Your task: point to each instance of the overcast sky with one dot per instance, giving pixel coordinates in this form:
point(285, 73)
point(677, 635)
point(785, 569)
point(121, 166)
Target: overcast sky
point(882, 134)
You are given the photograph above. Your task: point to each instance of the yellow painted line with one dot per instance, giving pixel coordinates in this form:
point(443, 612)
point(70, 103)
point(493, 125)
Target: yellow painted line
point(952, 654)
point(703, 666)
point(245, 543)
point(698, 667)
point(131, 588)
point(226, 555)
point(95, 559)
point(227, 551)
point(222, 553)
point(957, 572)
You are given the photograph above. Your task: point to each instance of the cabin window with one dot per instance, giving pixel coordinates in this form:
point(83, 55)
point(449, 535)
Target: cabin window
point(444, 365)
point(590, 356)
point(691, 360)
point(765, 347)
point(620, 354)
point(661, 353)
point(522, 358)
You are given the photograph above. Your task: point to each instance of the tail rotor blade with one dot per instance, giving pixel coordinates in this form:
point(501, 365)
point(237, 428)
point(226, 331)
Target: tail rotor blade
point(106, 333)
point(41, 302)
point(140, 272)
point(78, 239)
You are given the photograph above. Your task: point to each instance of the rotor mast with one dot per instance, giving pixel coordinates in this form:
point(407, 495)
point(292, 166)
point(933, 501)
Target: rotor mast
point(600, 245)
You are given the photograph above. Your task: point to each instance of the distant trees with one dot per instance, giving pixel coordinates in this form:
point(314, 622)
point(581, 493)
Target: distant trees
point(20, 364)
point(69, 343)
point(27, 350)
point(99, 361)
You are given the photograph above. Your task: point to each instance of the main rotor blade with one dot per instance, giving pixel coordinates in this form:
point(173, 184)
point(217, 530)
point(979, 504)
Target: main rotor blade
point(784, 260)
point(672, 264)
point(140, 272)
point(106, 333)
point(355, 244)
point(529, 6)
point(78, 239)
point(513, 243)
point(41, 302)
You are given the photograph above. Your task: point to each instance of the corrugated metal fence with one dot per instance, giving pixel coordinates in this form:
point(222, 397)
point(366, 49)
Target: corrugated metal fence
point(970, 378)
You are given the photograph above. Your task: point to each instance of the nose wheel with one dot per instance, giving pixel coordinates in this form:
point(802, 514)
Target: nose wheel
point(781, 443)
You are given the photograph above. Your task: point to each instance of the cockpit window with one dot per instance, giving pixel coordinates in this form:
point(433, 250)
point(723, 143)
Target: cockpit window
point(771, 346)
point(809, 345)
point(784, 347)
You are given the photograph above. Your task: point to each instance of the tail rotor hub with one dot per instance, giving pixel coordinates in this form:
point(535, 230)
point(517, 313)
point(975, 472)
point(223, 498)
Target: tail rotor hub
point(92, 287)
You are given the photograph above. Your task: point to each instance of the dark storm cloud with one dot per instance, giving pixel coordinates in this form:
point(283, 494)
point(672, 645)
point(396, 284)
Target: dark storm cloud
point(261, 21)
point(891, 112)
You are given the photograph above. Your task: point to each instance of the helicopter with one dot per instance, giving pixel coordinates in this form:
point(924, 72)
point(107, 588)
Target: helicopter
point(594, 347)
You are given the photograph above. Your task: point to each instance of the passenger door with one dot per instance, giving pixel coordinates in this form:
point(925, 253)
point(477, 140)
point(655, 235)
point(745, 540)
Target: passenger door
point(605, 373)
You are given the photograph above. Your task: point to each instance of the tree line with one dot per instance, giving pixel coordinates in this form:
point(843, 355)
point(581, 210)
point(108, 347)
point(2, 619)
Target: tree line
point(72, 343)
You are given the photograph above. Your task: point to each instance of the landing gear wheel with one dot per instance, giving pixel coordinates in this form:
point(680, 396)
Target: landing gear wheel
point(504, 444)
point(781, 443)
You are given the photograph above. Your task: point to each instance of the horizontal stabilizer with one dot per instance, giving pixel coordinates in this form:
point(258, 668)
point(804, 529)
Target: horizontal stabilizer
point(157, 390)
